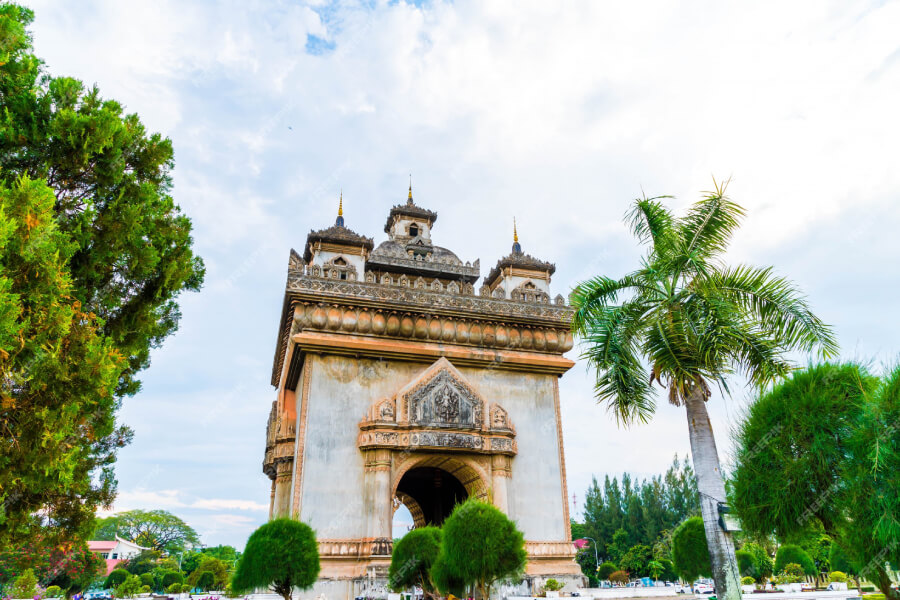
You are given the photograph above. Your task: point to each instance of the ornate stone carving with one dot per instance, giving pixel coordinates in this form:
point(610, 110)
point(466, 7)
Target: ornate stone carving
point(442, 398)
point(438, 409)
point(445, 440)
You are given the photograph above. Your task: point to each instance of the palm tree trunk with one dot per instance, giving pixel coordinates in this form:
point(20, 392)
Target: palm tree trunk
point(712, 491)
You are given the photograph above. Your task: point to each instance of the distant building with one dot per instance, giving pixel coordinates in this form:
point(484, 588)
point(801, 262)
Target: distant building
point(114, 551)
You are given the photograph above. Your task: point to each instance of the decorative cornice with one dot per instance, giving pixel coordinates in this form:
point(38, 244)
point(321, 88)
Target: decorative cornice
point(410, 210)
point(336, 234)
point(451, 301)
point(521, 260)
point(422, 265)
point(387, 296)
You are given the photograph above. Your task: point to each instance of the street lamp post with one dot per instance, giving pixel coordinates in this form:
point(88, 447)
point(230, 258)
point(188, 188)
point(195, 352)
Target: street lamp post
point(596, 560)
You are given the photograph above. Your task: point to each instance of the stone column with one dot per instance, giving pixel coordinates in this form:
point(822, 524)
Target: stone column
point(272, 501)
point(500, 474)
point(283, 478)
point(380, 466)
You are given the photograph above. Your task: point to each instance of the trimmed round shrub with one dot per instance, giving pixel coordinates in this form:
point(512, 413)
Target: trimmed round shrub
point(116, 578)
point(172, 577)
point(690, 551)
point(146, 579)
point(280, 555)
point(54, 591)
point(412, 559)
point(605, 570)
point(482, 546)
point(747, 581)
point(145, 589)
point(175, 588)
point(838, 577)
point(794, 554)
point(185, 588)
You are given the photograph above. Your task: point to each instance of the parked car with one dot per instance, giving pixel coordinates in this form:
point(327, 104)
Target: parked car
point(682, 589)
point(704, 587)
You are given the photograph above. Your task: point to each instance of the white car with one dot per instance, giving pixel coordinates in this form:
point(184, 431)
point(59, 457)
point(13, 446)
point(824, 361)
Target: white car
point(704, 588)
point(682, 589)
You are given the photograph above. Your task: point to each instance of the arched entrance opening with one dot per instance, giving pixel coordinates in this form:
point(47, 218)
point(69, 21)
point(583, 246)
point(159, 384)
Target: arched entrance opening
point(430, 493)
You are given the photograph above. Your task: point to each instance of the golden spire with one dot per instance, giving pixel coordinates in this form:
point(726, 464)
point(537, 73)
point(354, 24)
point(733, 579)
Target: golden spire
point(340, 218)
point(409, 199)
point(516, 247)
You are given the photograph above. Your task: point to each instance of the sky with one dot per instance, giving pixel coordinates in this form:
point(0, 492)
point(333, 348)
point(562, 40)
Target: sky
point(559, 114)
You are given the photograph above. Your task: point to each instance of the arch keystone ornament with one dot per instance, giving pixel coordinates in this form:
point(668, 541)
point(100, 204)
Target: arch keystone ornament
point(397, 385)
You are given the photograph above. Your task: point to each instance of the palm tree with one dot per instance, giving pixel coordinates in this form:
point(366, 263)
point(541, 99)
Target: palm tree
point(693, 321)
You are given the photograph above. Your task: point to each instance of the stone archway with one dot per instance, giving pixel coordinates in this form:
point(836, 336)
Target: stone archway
point(412, 506)
point(467, 472)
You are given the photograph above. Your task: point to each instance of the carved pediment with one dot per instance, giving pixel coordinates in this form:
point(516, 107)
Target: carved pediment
point(441, 397)
point(438, 409)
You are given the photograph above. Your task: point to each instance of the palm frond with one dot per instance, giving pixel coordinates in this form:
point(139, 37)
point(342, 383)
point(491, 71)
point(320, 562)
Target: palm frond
point(613, 352)
point(651, 222)
point(590, 298)
point(775, 303)
point(708, 226)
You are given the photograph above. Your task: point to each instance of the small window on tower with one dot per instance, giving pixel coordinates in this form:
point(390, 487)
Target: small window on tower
point(340, 261)
point(413, 230)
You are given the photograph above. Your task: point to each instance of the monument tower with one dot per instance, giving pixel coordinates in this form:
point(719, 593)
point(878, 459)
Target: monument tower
point(400, 382)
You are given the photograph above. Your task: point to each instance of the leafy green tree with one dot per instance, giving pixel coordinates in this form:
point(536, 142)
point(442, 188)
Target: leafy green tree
point(58, 374)
point(619, 545)
point(695, 321)
point(142, 563)
point(212, 573)
point(605, 570)
point(227, 554)
point(412, 559)
point(190, 560)
point(116, 578)
point(793, 554)
point(619, 577)
point(129, 588)
point(280, 555)
point(25, 585)
point(655, 568)
point(837, 483)
point(689, 550)
point(481, 546)
point(763, 565)
point(839, 561)
point(636, 560)
point(157, 529)
point(71, 566)
point(445, 579)
point(94, 291)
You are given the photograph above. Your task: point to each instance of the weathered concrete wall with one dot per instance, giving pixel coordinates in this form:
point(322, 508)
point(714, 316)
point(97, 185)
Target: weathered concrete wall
point(334, 484)
point(333, 479)
point(535, 493)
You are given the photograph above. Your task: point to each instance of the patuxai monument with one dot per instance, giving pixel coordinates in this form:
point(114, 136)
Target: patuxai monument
point(403, 378)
